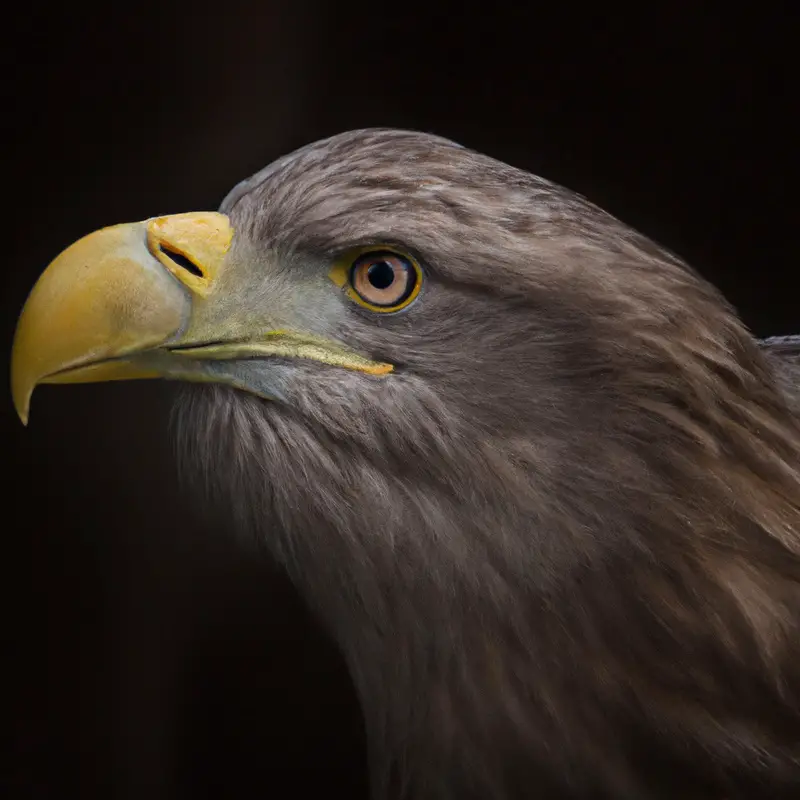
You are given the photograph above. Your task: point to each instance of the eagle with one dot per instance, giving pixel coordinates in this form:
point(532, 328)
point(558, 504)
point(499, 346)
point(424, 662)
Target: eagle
point(528, 468)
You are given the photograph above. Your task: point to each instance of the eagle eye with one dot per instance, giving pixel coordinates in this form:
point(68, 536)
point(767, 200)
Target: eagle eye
point(384, 280)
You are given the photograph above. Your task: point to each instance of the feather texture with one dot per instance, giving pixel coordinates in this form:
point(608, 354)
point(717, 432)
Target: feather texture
point(559, 547)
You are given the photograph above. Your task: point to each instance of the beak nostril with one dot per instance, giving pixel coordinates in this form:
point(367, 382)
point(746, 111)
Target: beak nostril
point(181, 261)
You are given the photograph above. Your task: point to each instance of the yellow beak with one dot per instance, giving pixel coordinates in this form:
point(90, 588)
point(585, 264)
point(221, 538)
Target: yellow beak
point(113, 295)
point(147, 300)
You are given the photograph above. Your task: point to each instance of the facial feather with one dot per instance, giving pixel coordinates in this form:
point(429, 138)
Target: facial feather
point(560, 545)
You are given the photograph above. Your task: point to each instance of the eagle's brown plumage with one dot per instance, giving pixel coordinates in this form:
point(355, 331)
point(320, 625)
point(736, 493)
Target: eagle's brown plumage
point(560, 546)
point(550, 510)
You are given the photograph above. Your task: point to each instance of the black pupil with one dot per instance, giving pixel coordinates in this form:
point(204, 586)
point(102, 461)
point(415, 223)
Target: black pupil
point(381, 274)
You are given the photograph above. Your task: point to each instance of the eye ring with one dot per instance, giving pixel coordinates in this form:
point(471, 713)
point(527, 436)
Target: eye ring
point(380, 279)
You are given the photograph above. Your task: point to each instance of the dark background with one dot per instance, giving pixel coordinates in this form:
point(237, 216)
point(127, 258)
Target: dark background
point(149, 656)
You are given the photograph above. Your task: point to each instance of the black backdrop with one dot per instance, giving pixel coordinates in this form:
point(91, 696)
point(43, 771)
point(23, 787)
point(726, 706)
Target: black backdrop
point(149, 657)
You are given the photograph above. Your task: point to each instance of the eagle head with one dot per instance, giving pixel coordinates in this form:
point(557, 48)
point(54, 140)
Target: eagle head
point(530, 469)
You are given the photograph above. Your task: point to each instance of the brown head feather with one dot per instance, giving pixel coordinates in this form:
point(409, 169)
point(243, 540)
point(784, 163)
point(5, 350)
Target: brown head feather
point(560, 546)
